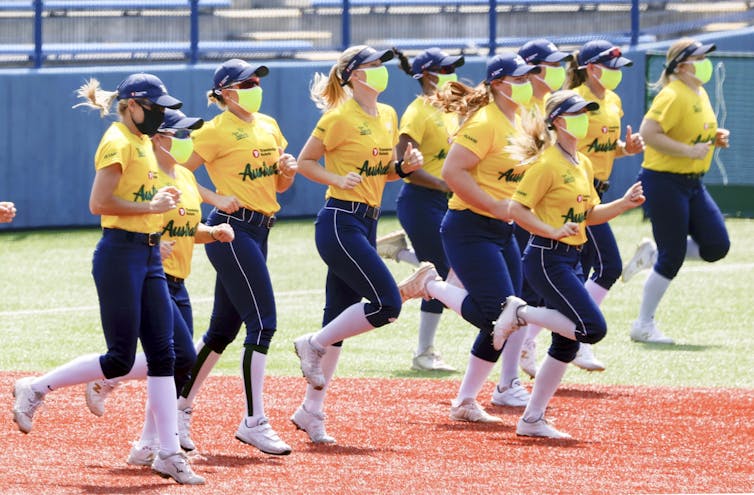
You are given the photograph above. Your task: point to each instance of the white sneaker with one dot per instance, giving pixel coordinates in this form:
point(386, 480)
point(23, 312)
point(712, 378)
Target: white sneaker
point(263, 437)
point(184, 429)
point(26, 403)
point(585, 359)
point(388, 246)
point(176, 466)
point(648, 332)
point(644, 258)
point(96, 394)
point(508, 321)
point(416, 284)
point(313, 424)
point(142, 454)
point(515, 395)
point(539, 428)
point(470, 410)
point(430, 360)
point(311, 361)
point(528, 359)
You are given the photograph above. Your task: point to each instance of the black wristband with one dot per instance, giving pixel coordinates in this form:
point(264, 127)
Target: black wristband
point(399, 170)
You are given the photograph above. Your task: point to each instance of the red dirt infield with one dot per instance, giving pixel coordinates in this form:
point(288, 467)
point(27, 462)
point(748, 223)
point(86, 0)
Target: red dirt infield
point(394, 437)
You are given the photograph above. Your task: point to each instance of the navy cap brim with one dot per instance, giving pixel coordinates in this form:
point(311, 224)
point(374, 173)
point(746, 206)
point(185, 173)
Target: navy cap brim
point(187, 123)
point(580, 105)
point(522, 70)
point(558, 57)
point(703, 50)
point(381, 55)
point(166, 101)
point(617, 63)
point(452, 61)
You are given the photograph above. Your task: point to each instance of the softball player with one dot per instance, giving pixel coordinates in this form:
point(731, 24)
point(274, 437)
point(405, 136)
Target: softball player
point(555, 201)
point(477, 237)
point(180, 231)
point(133, 293)
point(357, 137)
point(7, 211)
point(423, 199)
point(594, 73)
point(681, 132)
point(243, 151)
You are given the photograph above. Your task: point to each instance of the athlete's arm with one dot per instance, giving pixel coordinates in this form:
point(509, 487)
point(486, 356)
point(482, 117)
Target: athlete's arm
point(526, 219)
point(221, 233)
point(420, 177)
point(102, 200)
point(309, 167)
point(602, 213)
point(228, 204)
point(287, 168)
point(457, 174)
point(195, 161)
point(655, 137)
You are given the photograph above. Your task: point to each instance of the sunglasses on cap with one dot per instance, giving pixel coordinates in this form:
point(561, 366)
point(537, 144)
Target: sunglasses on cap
point(604, 56)
point(177, 133)
point(252, 82)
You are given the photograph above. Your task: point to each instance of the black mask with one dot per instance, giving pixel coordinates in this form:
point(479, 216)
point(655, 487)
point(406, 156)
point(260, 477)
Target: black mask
point(153, 118)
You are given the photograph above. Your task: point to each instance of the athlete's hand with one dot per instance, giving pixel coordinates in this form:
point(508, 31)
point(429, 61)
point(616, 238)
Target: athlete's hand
point(698, 151)
point(228, 204)
point(349, 181)
point(412, 159)
point(568, 229)
point(634, 195)
point(501, 210)
point(287, 166)
point(165, 200)
point(223, 233)
point(7, 211)
point(722, 139)
point(634, 142)
point(166, 249)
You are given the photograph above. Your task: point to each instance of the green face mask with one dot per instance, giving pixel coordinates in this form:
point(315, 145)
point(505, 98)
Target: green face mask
point(521, 93)
point(444, 78)
point(250, 99)
point(554, 77)
point(181, 149)
point(377, 78)
point(610, 78)
point(703, 70)
point(577, 125)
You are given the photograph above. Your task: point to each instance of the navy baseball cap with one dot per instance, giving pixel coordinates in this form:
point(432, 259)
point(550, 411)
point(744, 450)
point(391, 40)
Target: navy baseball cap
point(236, 70)
point(572, 104)
point(542, 50)
point(175, 120)
point(365, 55)
point(604, 53)
point(508, 64)
point(694, 49)
point(149, 87)
point(434, 58)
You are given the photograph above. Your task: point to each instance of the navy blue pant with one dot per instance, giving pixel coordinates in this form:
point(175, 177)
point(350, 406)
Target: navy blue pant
point(600, 256)
point(553, 270)
point(134, 303)
point(345, 234)
point(420, 211)
point(528, 294)
point(183, 332)
point(679, 206)
point(243, 289)
point(485, 256)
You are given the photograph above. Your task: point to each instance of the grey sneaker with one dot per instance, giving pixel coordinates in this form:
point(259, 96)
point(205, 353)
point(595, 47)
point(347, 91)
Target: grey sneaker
point(263, 437)
point(430, 360)
point(586, 360)
point(508, 321)
point(96, 394)
point(176, 466)
point(388, 246)
point(142, 454)
point(470, 410)
point(311, 361)
point(649, 333)
point(528, 359)
point(415, 285)
point(313, 424)
point(514, 395)
point(644, 258)
point(26, 403)
point(184, 429)
point(539, 428)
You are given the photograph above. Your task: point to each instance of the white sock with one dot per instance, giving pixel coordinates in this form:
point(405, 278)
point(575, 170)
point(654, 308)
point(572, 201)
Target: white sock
point(692, 249)
point(510, 357)
point(654, 288)
point(253, 379)
point(83, 369)
point(548, 318)
point(428, 323)
point(548, 379)
point(595, 290)
point(532, 331)
point(201, 375)
point(450, 295)
point(408, 256)
point(161, 395)
point(351, 322)
point(476, 374)
point(315, 399)
point(149, 430)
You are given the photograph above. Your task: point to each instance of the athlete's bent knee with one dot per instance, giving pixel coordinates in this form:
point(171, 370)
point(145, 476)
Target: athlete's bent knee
point(593, 334)
point(114, 366)
point(714, 252)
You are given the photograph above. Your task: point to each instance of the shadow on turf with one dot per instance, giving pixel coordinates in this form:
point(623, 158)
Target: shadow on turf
point(677, 347)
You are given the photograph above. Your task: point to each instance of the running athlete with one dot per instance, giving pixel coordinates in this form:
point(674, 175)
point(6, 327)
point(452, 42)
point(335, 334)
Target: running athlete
point(357, 137)
point(182, 228)
point(7, 211)
point(544, 54)
point(555, 201)
point(476, 234)
point(133, 293)
point(681, 132)
point(243, 151)
point(594, 73)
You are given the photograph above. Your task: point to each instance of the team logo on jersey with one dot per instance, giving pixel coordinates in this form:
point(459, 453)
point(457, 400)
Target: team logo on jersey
point(375, 151)
point(239, 134)
point(255, 153)
point(181, 211)
point(568, 178)
point(140, 152)
point(364, 130)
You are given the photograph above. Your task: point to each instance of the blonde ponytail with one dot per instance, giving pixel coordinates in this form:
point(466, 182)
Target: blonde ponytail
point(329, 91)
point(97, 98)
point(532, 136)
point(456, 97)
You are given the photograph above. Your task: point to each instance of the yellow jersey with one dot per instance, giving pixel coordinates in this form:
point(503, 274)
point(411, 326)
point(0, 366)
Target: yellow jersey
point(138, 182)
point(557, 191)
point(685, 116)
point(601, 141)
point(242, 158)
point(181, 223)
point(486, 133)
point(355, 141)
point(432, 129)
